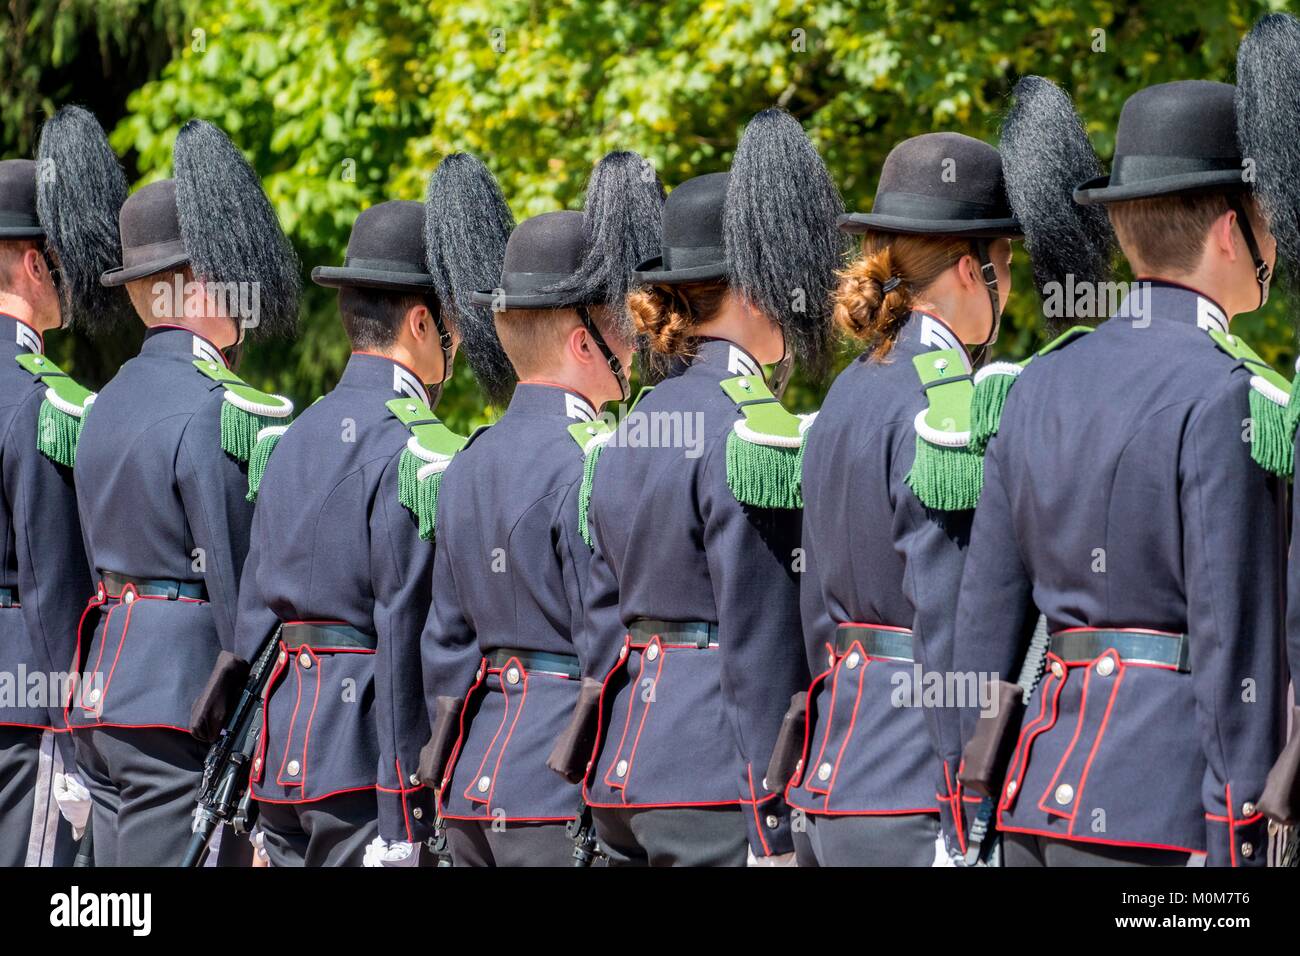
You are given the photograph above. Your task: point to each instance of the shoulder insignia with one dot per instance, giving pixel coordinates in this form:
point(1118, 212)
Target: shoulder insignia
point(765, 447)
point(993, 384)
point(591, 438)
point(245, 411)
point(948, 473)
point(63, 409)
point(1274, 410)
point(426, 456)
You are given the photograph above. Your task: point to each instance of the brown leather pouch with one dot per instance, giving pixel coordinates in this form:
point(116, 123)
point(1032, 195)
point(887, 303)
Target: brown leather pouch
point(209, 712)
point(1280, 801)
point(446, 728)
point(789, 745)
point(987, 753)
point(572, 751)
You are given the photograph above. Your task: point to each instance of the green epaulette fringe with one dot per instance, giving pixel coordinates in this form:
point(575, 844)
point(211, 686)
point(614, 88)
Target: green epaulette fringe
point(765, 447)
point(423, 461)
point(591, 438)
point(267, 439)
point(947, 474)
point(245, 411)
point(1274, 408)
point(63, 410)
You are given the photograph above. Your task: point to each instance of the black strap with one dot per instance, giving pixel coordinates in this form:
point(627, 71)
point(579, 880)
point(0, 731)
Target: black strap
point(1133, 647)
point(615, 366)
point(1263, 275)
point(989, 273)
point(566, 664)
point(115, 583)
point(326, 636)
point(444, 343)
point(883, 642)
point(781, 371)
point(699, 634)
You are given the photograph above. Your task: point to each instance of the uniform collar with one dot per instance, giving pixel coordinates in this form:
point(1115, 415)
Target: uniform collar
point(1162, 299)
point(23, 337)
point(548, 398)
point(375, 372)
point(722, 355)
point(181, 342)
point(926, 332)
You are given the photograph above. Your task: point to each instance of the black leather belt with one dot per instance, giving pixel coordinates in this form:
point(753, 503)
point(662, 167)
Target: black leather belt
point(674, 633)
point(884, 642)
point(565, 664)
point(114, 583)
point(9, 597)
point(1133, 647)
point(326, 636)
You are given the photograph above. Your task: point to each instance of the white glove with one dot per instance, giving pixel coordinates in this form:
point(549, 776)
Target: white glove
point(778, 859)
point(943, 856)
point(381, 854)
point(258, 839)
point(74, 801)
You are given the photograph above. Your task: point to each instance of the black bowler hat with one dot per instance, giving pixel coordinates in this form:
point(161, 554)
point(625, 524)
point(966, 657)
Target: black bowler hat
point(939, 184)
point(542, 254)
point(1172, 138)
point(692, 248)
point(151, 234)
point(18, 218)
point(385, 251)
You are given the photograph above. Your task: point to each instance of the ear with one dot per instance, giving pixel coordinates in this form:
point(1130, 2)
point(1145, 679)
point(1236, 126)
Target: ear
point(419, 323)
point(968, 272)
point(581, 345)
point(1224, 235)
point(34, 266)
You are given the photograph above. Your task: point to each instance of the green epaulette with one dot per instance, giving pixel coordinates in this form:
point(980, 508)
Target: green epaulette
point(1274, 410)
point(248, 416)
point(948, 473)
point(63, 410)
point(765, 447)
point(993, 384)
point(591, 438)
point(425, 458)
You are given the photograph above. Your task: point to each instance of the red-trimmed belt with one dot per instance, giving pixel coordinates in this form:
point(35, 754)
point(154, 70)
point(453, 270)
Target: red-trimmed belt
point(1080, 645)
point(698, 634)
point(326, 636)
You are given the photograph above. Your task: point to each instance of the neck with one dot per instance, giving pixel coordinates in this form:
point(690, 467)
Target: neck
point(968, 321)
point(595, 392)
point(20, 309)
point(1229, 296)
point(217, 329)
point(738, 322)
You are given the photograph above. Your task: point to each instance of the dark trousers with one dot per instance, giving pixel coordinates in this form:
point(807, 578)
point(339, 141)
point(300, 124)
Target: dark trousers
point(906, 839)
point(329, 832)
point(32, 833)
point(1023, 849)
point(144, 783)
point(713, 836)
point(513, 844)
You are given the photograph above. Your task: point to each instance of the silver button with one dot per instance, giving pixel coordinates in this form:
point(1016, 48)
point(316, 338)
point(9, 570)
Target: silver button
point(798, 766)
point(824, 772)
point(853, 660)
point(100, 592)
point(484, 783)
point(129, 597)
point(293, 768)
point(652, 652)
point(283, 657)
point(620, 770)
point(512, 676)
point(1058, 669)
point(1247, 809)
point(830, 659)
point(1106, 666)
point(622, 653)
point(1012, 787)
point(304, 659)
point(257, 763)
point(941, 364)
point(1248, 850)
point(93, 696)
point(772, 821)
point(417, 813)
point(478, 674)
point(415, 779)
point(1064, 794)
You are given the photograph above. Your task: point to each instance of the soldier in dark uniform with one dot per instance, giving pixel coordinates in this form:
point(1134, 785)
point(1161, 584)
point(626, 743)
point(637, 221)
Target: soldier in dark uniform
point(340, 569)
point(57, 233)
point(501, 665)
point(161, 484)
point(692, 623)
point(885, 541)
point(1131, 494)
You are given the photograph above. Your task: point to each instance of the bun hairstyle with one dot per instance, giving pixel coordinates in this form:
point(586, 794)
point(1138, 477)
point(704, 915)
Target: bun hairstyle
point(877, 291)
point(666, 315)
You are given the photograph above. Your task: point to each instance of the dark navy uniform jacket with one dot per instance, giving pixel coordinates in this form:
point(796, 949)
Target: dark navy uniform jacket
point(160, 499)
point(512, 568)
point(1120, 493)
point(877, 556)
point(689, 726)
point(333, 543)
point(44, 566)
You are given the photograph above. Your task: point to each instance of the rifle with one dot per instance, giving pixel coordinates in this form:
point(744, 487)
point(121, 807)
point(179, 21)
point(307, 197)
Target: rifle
point(438, 841)
point(86, 846)
point(225, 795)
point(583, 835)
point(980, 849)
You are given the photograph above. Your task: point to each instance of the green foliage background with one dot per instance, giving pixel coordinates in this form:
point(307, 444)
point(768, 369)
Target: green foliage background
point(343, 103)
